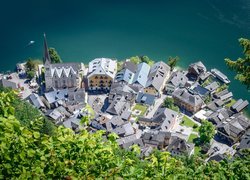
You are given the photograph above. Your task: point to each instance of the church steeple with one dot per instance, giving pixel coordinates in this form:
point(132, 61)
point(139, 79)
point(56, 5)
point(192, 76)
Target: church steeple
point(46, 56)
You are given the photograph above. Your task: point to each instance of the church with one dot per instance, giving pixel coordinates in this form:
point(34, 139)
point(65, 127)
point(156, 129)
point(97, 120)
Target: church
point(61, 75)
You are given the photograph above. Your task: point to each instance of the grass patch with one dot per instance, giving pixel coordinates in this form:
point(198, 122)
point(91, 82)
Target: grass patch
point(228, 105)
point(141, 108)
point(192, 137)
point(189, 123)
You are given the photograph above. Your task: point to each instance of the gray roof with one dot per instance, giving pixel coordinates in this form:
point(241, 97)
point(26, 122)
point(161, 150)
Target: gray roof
point(130, 66)
point(220, 115)
point(141, 75)
point(201, 90)
point(72, 123)
point(36, 101)
point(198, 67)
point(124, 130)
point(245, 141)
point(213, 86)
point(155, 138)
point(180, 146)
point(187, 96)
point(145, 98)
point(76, 95)
point(217, 95)
point(157, 75)
point(138, 142)
point(178, 78)
point(119, 106)
point(218, 157)
point(234, 126)
point(56, 95)
point(163, 119)
point(240, 105)
point(128, 91)
point(226, 96)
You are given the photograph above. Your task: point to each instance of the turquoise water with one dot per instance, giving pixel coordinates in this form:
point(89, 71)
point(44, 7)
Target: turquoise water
point(82, 30)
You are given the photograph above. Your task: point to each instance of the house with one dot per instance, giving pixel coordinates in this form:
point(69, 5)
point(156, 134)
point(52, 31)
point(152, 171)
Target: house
point(101, 73)
point(203, 92)
point(177, 79)
point(58, 114)
point(141, 75)
point(127, 73)
point(179, 146)
point(218, 157)
point(158, 75)
point(233, 128)
point(195, 70)
point(219, 116)
point(73, 123)
point(120, 107)
point(61, 75)
point(212, 86)
point(146, 99)
point(245, 141)
point(7, 81)
point(36, 101)
point(239, 105)
point(222, 77)
point(128, 91)
point(226, 97)
point(137, 142)
point(187, 99)
point(75, 96)
point(163, 120)
point(56, 98)
point(156, 139)
point(124, 130)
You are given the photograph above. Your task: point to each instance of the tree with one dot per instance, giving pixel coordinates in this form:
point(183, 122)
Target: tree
point(30, 74)
point(55, 58)
point(242, 65)
point(135, 60)
point(30, 65)
point(85, 120)
point(172, 61)
point(169, 103)
point(207, 131)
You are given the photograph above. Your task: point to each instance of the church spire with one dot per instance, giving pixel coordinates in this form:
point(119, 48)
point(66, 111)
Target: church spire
point(46, 56)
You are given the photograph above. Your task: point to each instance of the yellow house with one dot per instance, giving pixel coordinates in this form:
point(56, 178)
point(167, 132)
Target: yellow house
point(101, 73)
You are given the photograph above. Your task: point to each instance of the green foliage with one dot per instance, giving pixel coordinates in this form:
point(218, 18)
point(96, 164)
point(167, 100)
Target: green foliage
point(85, 120)
point(28, 154)
point(242, 65)
point(221, 88)
point(30, 74)
point(140, 59)
point(169, 103)
point(54, 56)
point(172, 61)
point(25, 113)
point(119, 65)
point(135, 60)
point(207, 131)
point(31, 67)
point(32, 64)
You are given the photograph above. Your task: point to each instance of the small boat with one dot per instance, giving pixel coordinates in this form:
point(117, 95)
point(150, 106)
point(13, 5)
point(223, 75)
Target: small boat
point(30, 43)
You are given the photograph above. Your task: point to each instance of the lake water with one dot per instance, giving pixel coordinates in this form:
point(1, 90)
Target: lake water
point(82, 30)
